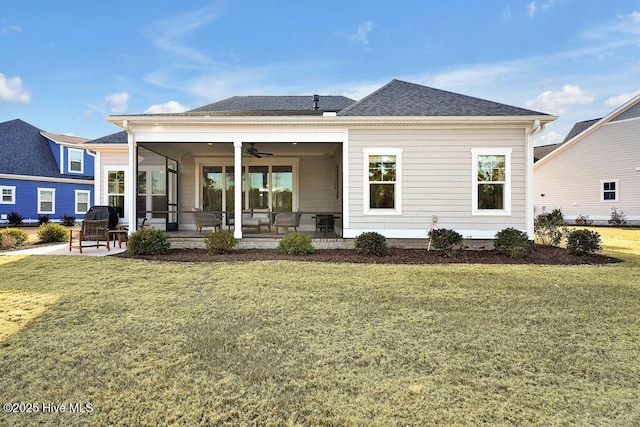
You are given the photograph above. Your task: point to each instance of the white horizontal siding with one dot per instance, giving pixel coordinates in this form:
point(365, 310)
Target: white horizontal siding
point(436, 177)
point(571, 179)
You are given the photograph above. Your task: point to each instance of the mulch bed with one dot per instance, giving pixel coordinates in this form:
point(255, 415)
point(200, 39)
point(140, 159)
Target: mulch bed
point(544, 255)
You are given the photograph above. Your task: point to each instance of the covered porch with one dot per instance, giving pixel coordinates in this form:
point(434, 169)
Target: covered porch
point(300, 172)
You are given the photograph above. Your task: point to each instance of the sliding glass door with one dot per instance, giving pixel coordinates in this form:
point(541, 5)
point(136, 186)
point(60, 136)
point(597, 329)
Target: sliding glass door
point(270, 187)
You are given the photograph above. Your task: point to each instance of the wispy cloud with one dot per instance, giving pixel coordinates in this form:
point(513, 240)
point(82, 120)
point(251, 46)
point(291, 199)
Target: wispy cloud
point(534, 7)
point(362, 33)
point(10, 29)
point(167, 107)
point(117, 102)
point(506, 14)
point(549, 101)
point(169, 35)
point(616, 101)
point(12, 90)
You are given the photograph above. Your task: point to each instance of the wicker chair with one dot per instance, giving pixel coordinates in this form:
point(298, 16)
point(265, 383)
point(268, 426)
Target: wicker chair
point(92, 234)
point(206, 219)
point(287, 219)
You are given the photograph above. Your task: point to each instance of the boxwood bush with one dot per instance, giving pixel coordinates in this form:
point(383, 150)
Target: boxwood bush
point(512, 242)
point(148, 241)
point(448, 241)
point(220, 242)
point(19, 235)
point(50, 233)
point(7, 241)
point(295, 244)
point(67, 220)
point(583, 242)
point(372, 243)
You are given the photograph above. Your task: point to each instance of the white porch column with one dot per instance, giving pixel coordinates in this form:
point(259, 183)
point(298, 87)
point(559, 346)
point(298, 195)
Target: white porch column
point(130, 181)
point(345, 183)
point(237, 179)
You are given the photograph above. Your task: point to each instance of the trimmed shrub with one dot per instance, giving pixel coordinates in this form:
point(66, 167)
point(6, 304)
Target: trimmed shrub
point(21, 236)
point(583, 242)
point(448, 241)
point(50, 233)
point(547, 227)
point(68, 220)
point(43, 219)
point(148, 241)
point(220, 242)
point(14, 218)
point(296, 244)
point(617, 218)
point(583, 220)
point(372, 243)
point(512, 242)
point(7, 241)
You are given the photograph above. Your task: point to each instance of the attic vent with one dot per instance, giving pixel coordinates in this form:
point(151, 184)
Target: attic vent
point(316, 101)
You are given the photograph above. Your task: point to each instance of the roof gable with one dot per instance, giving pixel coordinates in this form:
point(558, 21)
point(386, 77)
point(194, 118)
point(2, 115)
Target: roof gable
point(25, 151)
point(399, 98)
point(630, 109)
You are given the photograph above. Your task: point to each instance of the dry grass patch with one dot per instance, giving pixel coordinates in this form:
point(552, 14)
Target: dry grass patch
point(17, 309)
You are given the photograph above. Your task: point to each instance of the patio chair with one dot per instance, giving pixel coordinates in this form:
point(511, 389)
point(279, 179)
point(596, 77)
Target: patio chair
point(206, 219)
point(93, 233)
point(256, 219)
point(287, 219)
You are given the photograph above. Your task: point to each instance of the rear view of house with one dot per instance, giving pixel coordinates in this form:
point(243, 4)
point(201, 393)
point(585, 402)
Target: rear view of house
point(595, 170)
point(43, 174)
point(395, 162)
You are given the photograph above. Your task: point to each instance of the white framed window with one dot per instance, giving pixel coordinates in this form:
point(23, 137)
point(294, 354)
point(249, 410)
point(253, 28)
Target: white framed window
point(7, 195)
point(46, 200)
point(491, 181)
point(382, 181)
point(609, 190)
point(82, 201)
point(115, 179)
point(76, 160)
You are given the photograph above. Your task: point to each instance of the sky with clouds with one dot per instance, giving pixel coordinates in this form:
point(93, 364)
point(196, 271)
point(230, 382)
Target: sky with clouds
point(66, 65)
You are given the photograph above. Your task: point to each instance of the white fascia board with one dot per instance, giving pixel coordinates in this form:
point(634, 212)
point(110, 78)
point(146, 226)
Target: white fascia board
point(46, 179)
point(327, 120)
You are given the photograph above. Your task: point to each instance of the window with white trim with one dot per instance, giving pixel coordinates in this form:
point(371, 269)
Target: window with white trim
point(76, 160)
point(7, 195)
point(382, 181)
point(82, 201)
point(116, 190)
point(609, 189)
point(491, 191)
point(46, 200)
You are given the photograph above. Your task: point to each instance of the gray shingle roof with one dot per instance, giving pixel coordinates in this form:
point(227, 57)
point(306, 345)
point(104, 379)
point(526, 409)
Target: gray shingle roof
point(114, 138)
point(265, 104)
point(542, 150)
point(399, 98)
point(579, 128)
point(26, 152)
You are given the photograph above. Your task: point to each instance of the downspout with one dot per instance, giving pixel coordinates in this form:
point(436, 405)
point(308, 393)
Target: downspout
point(96, 175)
point(529, 207)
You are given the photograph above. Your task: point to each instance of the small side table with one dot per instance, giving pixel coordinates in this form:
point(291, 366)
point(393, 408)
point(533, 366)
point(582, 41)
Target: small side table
point(122, 235)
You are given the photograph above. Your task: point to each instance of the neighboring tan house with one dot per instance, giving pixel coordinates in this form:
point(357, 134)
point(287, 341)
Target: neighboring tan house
point(595, 169)
point(43, 173)
point(394, 162)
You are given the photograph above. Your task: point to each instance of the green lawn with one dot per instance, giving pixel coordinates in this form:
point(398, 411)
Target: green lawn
point(295, 343)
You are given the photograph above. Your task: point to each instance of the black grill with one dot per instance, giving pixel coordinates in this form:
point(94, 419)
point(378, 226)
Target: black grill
point(103, 212)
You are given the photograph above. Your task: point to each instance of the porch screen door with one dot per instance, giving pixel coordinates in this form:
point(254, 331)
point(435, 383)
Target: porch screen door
point(172, 195)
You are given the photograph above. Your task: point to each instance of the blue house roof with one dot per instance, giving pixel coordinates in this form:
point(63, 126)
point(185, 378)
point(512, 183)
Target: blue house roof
point(26, 152)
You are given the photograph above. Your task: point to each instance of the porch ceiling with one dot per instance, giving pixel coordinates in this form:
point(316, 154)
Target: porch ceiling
point(201, 149)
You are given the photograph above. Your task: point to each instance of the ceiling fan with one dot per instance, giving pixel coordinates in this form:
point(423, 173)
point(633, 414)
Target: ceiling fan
point(254, 151)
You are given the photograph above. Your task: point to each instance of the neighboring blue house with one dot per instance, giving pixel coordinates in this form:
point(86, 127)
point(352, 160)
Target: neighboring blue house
point(43, 173)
